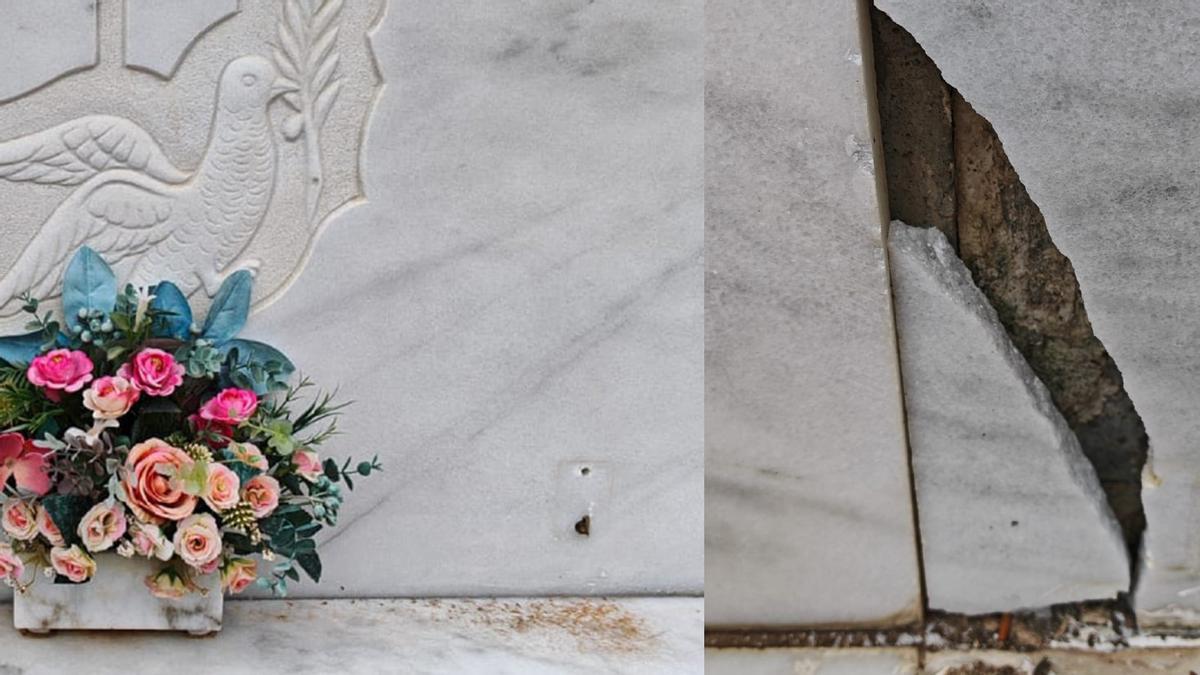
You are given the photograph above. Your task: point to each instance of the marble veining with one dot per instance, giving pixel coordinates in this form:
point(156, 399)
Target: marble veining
point(117, 599)
point(808, 512)
point(521, 292)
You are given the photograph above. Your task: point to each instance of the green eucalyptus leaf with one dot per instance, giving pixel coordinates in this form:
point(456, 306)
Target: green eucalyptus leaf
point(311, 564)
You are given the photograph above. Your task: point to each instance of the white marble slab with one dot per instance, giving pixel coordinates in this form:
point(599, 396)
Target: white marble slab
point(811, 662)
point(1096, 110)
point(377, 637)
point(25, 63)
point(518, 299)
point(1011, 513)
point(116, 598)
point(809, 519)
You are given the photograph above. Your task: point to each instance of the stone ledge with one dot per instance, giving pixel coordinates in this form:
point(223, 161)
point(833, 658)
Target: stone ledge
point(505, 635)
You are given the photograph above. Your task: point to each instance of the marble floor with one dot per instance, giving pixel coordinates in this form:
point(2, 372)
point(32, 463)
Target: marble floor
point(519, 636)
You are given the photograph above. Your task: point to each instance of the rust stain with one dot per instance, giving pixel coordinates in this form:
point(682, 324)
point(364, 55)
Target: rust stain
point(594, 625)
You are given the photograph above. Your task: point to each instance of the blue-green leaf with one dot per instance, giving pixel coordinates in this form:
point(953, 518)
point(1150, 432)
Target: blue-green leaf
point(88, 284)
point(177, 320)
point(261, 364)
point(20, 349)
point(227, 315)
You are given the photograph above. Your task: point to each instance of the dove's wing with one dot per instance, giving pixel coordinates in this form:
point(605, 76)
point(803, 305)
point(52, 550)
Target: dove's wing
point(120, 215)
point(73, 152)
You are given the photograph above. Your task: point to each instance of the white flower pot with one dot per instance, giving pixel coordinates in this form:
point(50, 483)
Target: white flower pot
point(117, 599)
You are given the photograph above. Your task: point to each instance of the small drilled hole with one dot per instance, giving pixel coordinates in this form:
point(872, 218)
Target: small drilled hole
point(583, 471)
point(584, 526)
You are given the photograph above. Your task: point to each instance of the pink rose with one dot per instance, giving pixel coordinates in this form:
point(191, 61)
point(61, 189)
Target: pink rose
point(72, 563)
point(167, 585)
point(308, 465)
point(231, 406)
point(11, 567)
point(197, 540)
point(110, 397)
point(151, 488)
point(262, 493)
point(19, 520)
point(61, 370)
point(154, 372)
point(48, 529)
point(211, 566)
point(221, 492)
point(26, 462)
point(149, 541)
point(238, 573)
point(102, 526)
point(249, 454)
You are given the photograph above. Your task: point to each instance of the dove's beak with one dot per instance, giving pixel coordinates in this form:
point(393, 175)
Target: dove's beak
point(281, 87)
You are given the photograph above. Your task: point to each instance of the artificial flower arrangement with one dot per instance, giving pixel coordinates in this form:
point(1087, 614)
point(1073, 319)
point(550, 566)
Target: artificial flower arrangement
point(125, 427)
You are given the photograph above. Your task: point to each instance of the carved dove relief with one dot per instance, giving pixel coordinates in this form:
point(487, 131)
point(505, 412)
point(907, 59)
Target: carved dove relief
point(201, 138)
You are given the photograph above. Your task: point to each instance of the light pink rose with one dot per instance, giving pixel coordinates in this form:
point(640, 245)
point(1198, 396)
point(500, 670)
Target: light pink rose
point(238, 573)
point(148, 541)
point(153, 371)
point(230, 406)
point(72, 563)
point(221, 492)
point(262, 493)
point(249, 454)
point(110, 398)
point(198, 540)
point(61, 370)
point(151, 489)
point(102, 526)
point(48, 529)
point(167, 584)
point(11, 567)
point(211, 566)
point(19, 520)
point(308, 465)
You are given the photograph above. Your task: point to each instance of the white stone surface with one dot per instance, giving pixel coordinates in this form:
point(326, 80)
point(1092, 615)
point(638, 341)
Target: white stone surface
point(116, 598)
point(1011, 513)
point(519, 298)
point(810, 662)
point(1096, 109)
point(809, 517)
point(159, 33)
point(648, 636)
point(27, 30)
point(172, 157)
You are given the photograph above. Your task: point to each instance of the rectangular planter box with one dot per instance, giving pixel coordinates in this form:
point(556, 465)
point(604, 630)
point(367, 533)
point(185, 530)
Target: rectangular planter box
point(117, 599)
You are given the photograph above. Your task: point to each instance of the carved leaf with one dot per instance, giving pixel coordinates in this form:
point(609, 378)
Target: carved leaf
point(321, 79)
point(326, 100)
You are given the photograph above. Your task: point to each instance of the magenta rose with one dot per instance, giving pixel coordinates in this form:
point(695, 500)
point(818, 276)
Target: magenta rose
point(61, 370)
point(231, 406)
point(153, 372)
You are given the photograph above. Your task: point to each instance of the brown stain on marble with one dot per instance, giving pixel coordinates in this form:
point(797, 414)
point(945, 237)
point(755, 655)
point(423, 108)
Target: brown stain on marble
point(594, 625)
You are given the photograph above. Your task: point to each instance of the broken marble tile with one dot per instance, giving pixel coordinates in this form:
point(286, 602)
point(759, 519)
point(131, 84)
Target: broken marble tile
point(807, 499)
point(810, 661)
point(1011, 513)
point(1097, 111)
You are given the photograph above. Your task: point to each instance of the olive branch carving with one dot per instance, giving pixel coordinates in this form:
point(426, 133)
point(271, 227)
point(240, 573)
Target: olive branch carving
point(307, 60)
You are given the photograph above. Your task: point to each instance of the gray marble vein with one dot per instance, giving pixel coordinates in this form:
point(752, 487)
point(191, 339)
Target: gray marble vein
point(383, 637)
point(1096, 107)
point(809, 516)
point(521, 292)
point(1011, 513)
